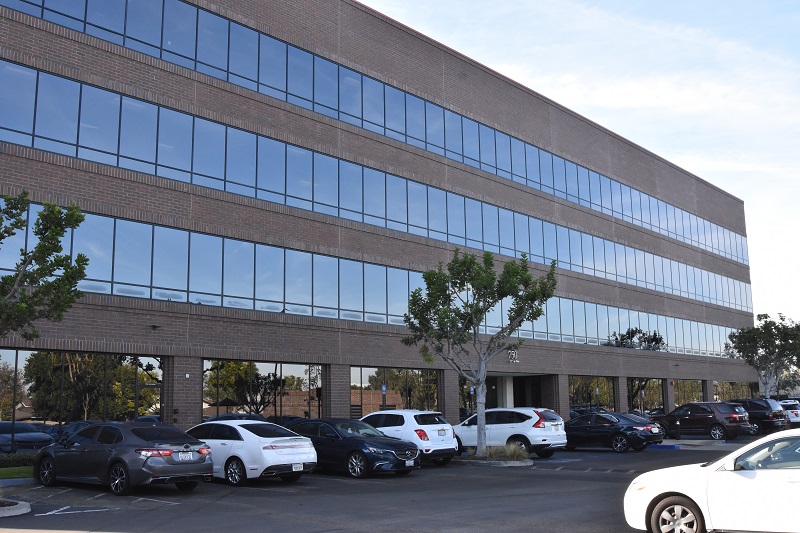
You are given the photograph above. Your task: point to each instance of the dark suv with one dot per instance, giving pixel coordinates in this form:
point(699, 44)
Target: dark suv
point(765, 414)
point(719, 420)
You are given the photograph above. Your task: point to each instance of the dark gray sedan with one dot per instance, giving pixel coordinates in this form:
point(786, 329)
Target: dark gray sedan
point(126, 454)
point(25, 437)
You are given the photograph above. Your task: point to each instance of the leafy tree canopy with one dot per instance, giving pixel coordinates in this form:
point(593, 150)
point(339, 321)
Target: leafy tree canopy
point(637, 339)
point(771, 347)
point(44, 281)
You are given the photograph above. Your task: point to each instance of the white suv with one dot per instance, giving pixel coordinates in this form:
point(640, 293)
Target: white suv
point(792, 408)
point(535, 429)
point(429, 430)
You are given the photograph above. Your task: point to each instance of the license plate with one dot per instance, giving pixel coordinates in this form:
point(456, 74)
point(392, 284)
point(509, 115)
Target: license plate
point(297, 467)
point(442, 432)
point(409, 462)
point(184, 456)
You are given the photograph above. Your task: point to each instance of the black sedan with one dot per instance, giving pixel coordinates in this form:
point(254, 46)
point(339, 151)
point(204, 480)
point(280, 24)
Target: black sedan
point(25, 436)
point(125, 454)
point(356, 447)
point(618, 431)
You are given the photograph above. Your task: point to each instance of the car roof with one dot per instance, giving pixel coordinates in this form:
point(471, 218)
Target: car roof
point(405, 411)
point(237, 422)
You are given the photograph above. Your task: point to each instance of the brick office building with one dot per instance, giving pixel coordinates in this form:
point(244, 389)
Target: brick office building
point(264, 182)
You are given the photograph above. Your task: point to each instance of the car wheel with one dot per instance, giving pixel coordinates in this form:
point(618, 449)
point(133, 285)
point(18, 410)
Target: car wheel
point(402, 472)
point(460, 446)
point(639, 448)
point(619, 443)
point(46, 472)
point(717, 432)
point(442, 461)
point(357, 465)
point(676, 514)
point(518, 442)
point(118, 479)
point(290, 478)
point(186, 486)
point(755, 428)
point(235, 474)
point(546, 453)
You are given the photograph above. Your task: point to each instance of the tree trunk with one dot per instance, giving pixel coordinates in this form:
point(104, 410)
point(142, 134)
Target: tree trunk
point(480, 392)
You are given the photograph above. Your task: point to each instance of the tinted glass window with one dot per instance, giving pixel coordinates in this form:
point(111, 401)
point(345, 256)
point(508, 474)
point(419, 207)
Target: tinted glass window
point(201, 432)
point(109, 435)
point(162, 434)
point(268, 430)
point(428, 419)
point(84, 436)
point(550, 416)
point(306, 428)
point(375, 420)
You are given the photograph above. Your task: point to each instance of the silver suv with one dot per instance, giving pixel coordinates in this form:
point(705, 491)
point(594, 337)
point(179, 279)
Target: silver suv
point(535, 429)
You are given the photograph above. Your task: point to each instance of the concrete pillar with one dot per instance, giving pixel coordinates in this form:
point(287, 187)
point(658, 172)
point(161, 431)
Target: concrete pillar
point(708, 390)
point(182, 391)
point(555, 394)
point(505, 391)
point(336, 391)
point(448, 395)
point(621, 394)
point(669, 394)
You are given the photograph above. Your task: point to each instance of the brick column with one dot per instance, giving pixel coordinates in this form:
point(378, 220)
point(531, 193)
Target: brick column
point(669, 394)
point(182, 391)
point(336, 391)
point(448, 395)
point(621, 394)
point(555, 393)
point(708, 390)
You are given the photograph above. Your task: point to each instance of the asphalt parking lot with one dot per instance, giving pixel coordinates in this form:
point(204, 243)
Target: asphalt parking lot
point(572, 491)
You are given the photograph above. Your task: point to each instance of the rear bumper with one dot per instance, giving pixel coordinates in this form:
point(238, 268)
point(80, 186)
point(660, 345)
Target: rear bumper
point(441, 453)
point(281, 470)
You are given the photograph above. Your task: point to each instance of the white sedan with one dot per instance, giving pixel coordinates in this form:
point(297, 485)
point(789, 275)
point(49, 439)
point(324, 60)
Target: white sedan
point(714, 495)
point(248, 449)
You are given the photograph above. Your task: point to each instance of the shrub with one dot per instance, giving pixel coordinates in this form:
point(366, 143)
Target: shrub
point(16, 459)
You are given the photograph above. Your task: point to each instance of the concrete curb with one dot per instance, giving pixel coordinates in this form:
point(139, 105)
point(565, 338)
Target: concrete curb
point(13, 510)
point(17, 481)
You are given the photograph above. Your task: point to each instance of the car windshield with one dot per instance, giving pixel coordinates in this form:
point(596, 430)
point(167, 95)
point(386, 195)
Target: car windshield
point(773, 404)
point(357, 428)
point(550, 416)
point(162, 434)
point(430, 419)
point(19, 427)
point(791, 406)
point(268, 430)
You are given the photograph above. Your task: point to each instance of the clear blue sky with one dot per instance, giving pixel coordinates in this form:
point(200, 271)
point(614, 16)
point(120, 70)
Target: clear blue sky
point(712, 86)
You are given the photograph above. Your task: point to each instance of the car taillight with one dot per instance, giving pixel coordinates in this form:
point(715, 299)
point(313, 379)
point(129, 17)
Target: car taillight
point(643, 428)
point(204, 451)
point(771, 416)
point(735, 417)
point(421, 434)
point(153, 452)
point(539, 423)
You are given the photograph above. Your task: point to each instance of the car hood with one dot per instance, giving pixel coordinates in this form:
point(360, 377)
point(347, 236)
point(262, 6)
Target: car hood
point(391, 443)
point(674, 477)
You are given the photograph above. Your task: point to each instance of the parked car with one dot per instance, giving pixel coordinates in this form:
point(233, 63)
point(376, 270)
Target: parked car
point(792, 408)
point(126, 454)
point(153, 419)
point(618, 431)
point(236, 416)
point(67, 429)
point(766, 414)
point(26, 437)
point(704, 497)
point(249, 449)
point(719, 420)
point(356, 447)
point(429, 430)
point(535, 429)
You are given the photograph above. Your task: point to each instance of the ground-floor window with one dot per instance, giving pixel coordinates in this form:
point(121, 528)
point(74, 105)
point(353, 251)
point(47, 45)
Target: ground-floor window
point(272, 390)
point(375, 389)
point(728, 390)
point(590, 393)
point(688, 390)
point(62, 387)
point(646, 395)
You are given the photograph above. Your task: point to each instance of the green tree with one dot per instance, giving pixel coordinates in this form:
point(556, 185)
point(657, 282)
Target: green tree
point(243, 383)
point(447, 319)
point(637, 339)
point(44, 282)
point(771, 347)
point(7, 393)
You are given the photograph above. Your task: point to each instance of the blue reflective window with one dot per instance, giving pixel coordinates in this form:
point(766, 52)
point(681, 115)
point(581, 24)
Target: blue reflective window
point(572, 180)
point(605, 194)
point(269, 274)
point(375, 292)
point(298, 172)
point(350, 187)
point(537, 239)
point(456, 223)
point(132, 248)
point(243, 58)
point(395, 109)
point(209, 148)
point(397, 293)
point(471, 139)
point(562, 243)
point(611, 260)
point(326, 83)
point(532, 166)
point(506, 229)
point(351, 285)
point(205, 267)
point(575, 250)
point(180, 28)
point(559, 177)
point(17, 99)
point(238, 270)
point(350, 92)
point(170, 261)
point(503, 152)
point(271, 165)
point(326, 281)
point(621, 265)
point(522, 242)
point(487, 146)
point(300, 75)
point(212, 41)
point(518, 158)
point(567, 322)
point(138, 130)
point(491, 230)
point(174, 139)
point(143, 22)
point(417, 204)
point(272, 63)
point(108, 14)
point(452, 125)
point(298, 281)
point(592, 323)
point(57, 108)
point(474, 217)
point(550, 247)
point(584, 189)
point(437, 211)
point(415, 117)
point(99, 123)
point(373, 101)
point(326, 180)
point(72, 8)
point(374, 193)
point(553, 317)
point(616, 198)
point(240, 165)
point(434, 125)
point(396, 209)
point(93, 238)
point(546, 171)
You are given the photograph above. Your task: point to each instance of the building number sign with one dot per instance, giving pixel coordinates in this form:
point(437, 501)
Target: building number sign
point(513, 357)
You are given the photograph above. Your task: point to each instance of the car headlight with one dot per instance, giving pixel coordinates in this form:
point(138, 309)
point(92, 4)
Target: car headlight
point(377, 450)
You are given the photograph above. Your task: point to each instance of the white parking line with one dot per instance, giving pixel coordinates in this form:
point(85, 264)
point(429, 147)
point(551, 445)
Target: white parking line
point(63, 511)
point(97, 496)
point(137, 500)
